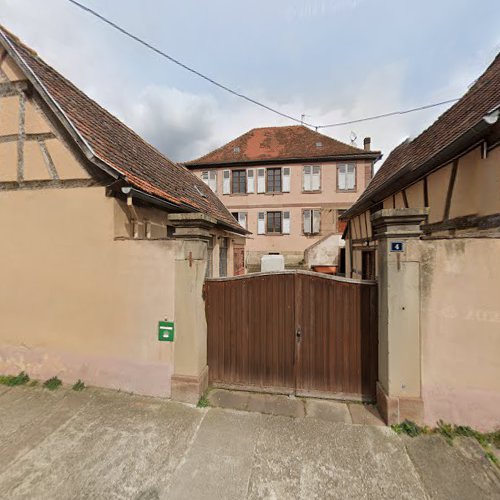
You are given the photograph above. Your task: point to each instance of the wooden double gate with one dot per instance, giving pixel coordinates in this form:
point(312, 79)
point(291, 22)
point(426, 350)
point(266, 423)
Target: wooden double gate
point(293, 332)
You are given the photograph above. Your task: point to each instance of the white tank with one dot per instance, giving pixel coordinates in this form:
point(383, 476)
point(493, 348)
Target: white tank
point(269, 263)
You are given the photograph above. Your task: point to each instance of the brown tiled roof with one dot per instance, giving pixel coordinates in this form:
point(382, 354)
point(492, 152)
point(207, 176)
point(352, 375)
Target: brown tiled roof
point(481, 98)
point(280, 143)
point(119, 147)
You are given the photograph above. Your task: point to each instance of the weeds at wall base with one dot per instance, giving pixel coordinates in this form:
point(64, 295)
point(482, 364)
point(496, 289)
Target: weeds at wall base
point(450, 432)
point(13, 380)
point(52, 384)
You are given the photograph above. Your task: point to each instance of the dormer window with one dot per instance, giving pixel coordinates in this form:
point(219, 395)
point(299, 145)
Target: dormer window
point(319, 145)
point(236, 149)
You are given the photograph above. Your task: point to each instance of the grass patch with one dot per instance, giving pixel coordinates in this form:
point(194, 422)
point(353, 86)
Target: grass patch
point(203, 402)
point(450, 432)
point(78, 386)
point(13, 380)
point(52, 384)
point(409, 428)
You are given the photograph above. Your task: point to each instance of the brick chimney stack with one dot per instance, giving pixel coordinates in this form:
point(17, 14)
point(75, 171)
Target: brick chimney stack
point(367, 143)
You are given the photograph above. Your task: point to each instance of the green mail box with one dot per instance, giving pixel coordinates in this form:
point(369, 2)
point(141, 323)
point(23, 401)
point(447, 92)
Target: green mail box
point(166, 331)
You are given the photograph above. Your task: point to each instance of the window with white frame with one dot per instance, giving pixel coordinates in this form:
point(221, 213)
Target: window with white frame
point(241, 217)
point(346, 177)
point(311, 221)
point(209, 177)
point(273, 222)
point(311, 178)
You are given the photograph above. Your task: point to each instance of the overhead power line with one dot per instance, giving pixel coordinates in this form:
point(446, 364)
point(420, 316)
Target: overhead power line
point(238, 94)
point(392, 113)
point(185, 66)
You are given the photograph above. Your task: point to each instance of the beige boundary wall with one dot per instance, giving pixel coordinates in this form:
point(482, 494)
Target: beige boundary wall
point(76, 302)
point(460, 331)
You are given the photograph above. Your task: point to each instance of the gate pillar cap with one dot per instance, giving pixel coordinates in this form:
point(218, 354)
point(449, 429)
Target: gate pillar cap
point(398, 222)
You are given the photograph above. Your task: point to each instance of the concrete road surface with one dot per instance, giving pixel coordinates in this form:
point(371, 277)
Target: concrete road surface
point(100, 444)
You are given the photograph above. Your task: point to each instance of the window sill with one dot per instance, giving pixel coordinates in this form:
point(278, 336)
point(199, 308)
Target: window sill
point(311, 191)
point(274, 234)
point(347, 190)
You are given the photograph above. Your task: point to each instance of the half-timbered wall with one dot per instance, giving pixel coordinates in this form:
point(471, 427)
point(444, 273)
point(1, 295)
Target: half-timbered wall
point(458, 256)
point(31, 149)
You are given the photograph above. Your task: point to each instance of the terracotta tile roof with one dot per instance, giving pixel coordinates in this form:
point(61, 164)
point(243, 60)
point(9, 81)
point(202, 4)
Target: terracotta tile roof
point(280, 143)
point(480, 99)
point(119, 147)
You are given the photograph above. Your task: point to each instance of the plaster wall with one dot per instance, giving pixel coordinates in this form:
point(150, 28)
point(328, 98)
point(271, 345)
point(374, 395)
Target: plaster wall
point(77, 303)
point(460, 317)
point(328, 199)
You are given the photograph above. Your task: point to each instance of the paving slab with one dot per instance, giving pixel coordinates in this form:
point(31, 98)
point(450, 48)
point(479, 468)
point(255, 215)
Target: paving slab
point(458, 471)
point(29, 415)
point(310, 458)
point(219, 461)
point(276, 404)
point(363, 414)
point(331, 411)
point(222, 398)
point(117, 446)
point(107, 444)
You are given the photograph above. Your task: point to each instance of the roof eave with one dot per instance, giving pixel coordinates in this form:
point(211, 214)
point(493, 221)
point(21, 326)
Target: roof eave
point(407, 176)
point(161, 203)
point(372, 155)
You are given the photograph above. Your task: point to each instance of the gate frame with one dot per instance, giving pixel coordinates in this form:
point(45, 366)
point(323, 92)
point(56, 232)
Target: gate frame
point(297, 300)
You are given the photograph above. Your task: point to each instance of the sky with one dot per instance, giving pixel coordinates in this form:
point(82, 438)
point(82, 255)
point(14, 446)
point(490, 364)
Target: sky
point(332, 60)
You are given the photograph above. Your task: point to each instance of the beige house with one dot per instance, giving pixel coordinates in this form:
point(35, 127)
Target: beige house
point(103, 237)
point(428, 227)
point(288, 186)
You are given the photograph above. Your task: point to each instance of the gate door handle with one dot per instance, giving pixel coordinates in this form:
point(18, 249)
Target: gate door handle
point(298, 334)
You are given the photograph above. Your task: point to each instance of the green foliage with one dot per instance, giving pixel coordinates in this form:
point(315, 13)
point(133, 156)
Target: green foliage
point(12, 380)
point(409, 428)
point(33, 383)
point(78, 386)
point(203, 402)
point(446, 430)
point(52, 384)
point(450, 432)
point(491, 456)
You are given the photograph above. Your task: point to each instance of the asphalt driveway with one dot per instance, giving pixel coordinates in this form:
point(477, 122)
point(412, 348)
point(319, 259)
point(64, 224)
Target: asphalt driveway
point(105, 444)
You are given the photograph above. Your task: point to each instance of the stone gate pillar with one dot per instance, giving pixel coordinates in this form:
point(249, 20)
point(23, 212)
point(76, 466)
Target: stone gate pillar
point(190, 378)
point(399, 380)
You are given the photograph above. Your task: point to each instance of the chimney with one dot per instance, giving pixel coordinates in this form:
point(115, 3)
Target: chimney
point(367, 142)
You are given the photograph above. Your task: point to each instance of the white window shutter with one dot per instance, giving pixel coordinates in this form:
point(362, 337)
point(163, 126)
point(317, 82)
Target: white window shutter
point(204, 177)
point(261, 180)
point(341, 172)
point(226, 182)
point(286, 179)
point(242, 219)
point(316, 178)
point(316, 222)
point(261, 223)
point(307, 221)
point(351, 176)
point(212, 180)
point(306, 179)
point(250, 181)
point(286, 223)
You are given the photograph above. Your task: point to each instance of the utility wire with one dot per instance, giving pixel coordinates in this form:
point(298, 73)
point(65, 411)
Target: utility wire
point(182, 65)
point(392, 113)
point(243, 96)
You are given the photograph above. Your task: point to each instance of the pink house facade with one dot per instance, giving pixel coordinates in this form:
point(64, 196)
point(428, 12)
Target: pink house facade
point(288, 186)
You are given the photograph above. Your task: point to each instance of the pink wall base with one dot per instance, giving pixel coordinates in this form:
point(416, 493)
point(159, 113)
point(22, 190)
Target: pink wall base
point(477, 408)
point(151, 379)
